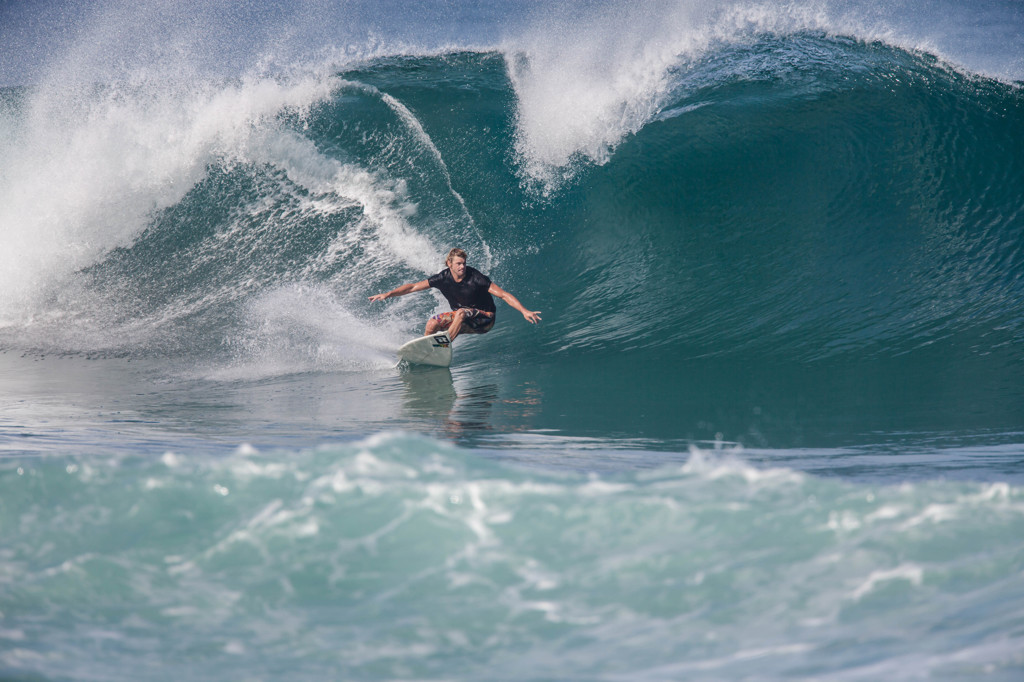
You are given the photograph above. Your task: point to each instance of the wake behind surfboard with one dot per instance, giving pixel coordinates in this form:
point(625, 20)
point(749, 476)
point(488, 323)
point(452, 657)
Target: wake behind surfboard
point(433, 349)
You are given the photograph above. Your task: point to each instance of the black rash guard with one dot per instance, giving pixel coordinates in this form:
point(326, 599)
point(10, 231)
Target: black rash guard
point(471, 292)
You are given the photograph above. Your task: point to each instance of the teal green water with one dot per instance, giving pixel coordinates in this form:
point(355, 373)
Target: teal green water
point(403, 558)
point(770, 427)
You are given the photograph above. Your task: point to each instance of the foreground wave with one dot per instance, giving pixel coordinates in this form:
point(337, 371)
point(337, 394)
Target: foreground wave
point(402, 557)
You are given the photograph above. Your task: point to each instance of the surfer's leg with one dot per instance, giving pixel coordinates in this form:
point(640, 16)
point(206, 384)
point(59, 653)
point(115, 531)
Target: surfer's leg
point(456, 326)
point(470, 321)
point(455, 322)
point(438, 323)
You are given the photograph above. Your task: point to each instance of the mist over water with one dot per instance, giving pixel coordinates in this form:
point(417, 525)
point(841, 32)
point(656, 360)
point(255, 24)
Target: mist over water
point(769, 428)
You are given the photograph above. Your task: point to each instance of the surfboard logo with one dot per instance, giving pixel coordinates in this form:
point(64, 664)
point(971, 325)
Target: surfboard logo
point(441, 342)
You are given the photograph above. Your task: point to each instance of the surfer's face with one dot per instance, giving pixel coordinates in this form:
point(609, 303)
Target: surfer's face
point(457, 265)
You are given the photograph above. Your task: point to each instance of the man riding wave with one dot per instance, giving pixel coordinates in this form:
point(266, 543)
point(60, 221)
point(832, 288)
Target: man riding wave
point(470, 294)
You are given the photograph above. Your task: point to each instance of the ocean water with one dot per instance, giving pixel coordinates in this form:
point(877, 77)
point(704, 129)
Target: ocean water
point(770, 428)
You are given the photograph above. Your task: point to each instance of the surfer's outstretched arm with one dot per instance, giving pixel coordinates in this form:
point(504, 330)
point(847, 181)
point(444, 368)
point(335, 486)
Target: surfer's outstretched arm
point(532, 316)
point(402, 290)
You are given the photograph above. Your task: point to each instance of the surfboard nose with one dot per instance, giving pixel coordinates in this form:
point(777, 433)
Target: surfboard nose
point(433, 349)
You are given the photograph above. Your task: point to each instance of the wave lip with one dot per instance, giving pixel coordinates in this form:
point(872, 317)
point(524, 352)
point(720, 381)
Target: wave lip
point(586, 78)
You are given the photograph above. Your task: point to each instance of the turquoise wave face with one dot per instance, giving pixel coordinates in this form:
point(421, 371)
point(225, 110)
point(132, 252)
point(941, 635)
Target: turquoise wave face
point(415, 559)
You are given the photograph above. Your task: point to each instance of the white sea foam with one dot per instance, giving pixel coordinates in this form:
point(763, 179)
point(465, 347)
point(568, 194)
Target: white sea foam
point(584, 82)
point(910, 573)
point(586, 77)
point(89, 169)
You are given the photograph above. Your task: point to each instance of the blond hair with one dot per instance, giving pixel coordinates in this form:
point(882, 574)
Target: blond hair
point(456, 253)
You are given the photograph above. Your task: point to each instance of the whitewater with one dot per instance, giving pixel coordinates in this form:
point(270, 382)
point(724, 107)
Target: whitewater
point(769, 429)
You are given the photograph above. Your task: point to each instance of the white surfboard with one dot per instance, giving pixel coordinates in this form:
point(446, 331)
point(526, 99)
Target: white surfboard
point(435, 349)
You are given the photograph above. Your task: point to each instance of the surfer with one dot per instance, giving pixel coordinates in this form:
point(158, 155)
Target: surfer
point(470, 294)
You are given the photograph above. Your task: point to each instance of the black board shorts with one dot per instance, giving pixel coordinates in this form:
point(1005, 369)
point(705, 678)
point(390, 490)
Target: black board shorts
point(473, 321)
